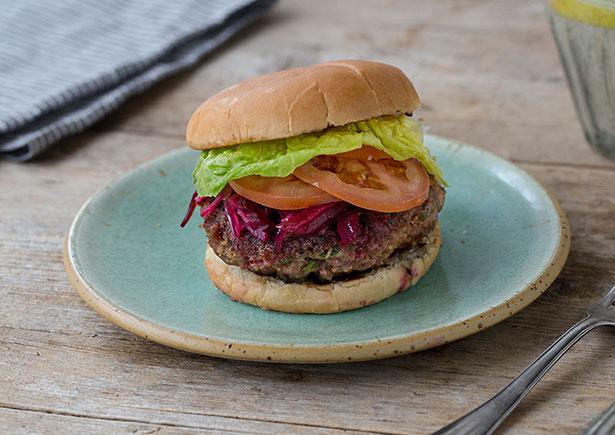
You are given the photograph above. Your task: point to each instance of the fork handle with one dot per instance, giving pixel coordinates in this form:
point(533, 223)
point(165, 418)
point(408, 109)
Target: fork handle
point(487, 417)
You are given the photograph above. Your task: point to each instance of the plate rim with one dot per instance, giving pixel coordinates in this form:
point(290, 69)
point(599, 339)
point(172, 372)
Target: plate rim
point(321, 353)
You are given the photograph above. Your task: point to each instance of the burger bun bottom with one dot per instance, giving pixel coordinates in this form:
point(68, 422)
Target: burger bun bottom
point(271, 293)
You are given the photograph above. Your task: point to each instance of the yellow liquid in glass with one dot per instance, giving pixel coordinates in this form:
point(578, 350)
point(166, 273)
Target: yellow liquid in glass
point(599, 13)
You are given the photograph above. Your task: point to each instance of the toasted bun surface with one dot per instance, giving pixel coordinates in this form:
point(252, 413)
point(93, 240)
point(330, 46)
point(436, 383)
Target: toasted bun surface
point(272, 294)
point(300, 100)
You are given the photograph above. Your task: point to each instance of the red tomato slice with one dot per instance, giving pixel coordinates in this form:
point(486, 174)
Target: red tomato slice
point(385, 186)
point(288, 193)
point(365, 153)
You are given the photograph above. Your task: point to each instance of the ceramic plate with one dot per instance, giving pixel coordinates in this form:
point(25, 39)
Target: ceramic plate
point(505, 239)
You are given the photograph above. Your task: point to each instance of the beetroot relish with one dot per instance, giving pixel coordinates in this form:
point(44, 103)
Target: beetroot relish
point(348, 227)
point(307, 221)
point(191, 207)
point(264, 223)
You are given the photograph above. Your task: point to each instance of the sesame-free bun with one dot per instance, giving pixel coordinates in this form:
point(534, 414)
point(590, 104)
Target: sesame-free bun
point(300, 100)
point(273, 294)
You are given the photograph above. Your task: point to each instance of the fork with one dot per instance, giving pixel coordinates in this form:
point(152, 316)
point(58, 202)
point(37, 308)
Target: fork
point(604, 424)
point(487, 417)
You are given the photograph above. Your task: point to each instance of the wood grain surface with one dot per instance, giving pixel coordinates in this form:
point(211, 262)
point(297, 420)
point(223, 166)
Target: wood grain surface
point(488, 74)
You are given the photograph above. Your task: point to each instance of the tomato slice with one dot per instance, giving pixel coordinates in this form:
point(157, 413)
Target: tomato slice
point(365, 153)
point(385, 186)
point(288, 193)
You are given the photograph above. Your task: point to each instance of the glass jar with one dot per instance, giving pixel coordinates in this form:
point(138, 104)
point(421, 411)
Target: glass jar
point(584, 31)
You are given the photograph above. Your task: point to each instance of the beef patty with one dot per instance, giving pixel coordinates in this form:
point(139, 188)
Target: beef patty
point(320, 257)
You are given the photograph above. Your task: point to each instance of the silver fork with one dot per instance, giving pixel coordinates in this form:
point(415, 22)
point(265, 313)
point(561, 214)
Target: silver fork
point(604, 424)
point(487, 417)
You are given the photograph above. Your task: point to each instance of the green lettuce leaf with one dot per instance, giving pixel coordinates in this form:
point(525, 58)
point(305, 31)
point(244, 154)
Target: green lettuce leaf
point(399, 136)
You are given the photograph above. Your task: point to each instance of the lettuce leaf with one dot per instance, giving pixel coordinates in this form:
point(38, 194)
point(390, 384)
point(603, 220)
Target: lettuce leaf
point(399, 136)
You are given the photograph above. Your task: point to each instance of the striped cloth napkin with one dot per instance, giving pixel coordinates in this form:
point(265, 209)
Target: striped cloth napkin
point(65, 64)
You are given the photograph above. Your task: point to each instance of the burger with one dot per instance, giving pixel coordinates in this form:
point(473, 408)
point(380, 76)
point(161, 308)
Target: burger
point(315, 189)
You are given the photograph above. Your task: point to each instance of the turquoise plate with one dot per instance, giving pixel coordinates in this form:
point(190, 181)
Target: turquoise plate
point(505, 239)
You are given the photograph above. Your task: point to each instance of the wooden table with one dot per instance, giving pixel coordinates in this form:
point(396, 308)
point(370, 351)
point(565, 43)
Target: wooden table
point(488, 74)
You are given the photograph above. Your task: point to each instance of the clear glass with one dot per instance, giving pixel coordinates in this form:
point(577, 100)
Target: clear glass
point(587, 53)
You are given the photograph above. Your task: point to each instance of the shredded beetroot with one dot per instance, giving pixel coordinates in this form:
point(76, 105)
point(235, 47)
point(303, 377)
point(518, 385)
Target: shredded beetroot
point(255, 218)
point(201, 201)
point(245, 214)
point(191, 207)
point(348, 228)
point(310, 220)
point(212, 205)
point(307, 221)
point(230, 206)
point(279, 238)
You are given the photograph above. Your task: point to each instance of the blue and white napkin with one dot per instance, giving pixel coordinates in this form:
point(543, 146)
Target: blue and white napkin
point(65, 64)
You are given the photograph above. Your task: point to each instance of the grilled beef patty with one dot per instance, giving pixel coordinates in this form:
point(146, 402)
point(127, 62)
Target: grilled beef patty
point(320, 257)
